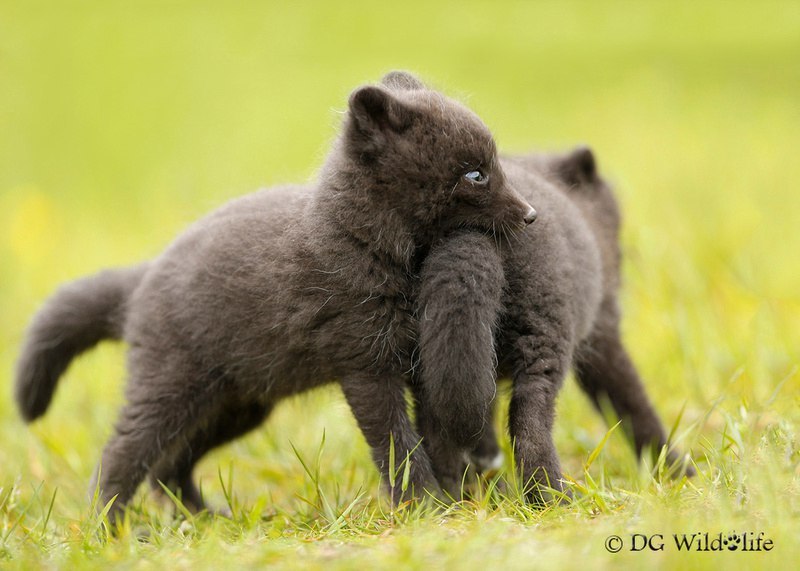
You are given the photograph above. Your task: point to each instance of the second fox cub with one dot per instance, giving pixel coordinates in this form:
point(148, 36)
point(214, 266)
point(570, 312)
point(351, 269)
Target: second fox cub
point(527, 308)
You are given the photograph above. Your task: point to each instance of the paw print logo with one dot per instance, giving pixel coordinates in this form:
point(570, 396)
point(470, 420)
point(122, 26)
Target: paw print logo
point(732, 542)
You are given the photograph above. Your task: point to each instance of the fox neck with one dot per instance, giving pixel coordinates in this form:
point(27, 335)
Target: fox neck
point(349, 205)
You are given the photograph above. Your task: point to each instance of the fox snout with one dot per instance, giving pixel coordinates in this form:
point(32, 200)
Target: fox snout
point(530, 217)
point(523, 213)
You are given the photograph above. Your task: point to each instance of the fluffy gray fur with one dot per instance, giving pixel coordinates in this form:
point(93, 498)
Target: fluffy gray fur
point(281, 291)
point(535, 304)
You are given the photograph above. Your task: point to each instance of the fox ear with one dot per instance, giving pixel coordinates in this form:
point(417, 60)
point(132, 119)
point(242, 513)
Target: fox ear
point(577, 167)
point(376, 109)
point(401, 80)
point(375, 114)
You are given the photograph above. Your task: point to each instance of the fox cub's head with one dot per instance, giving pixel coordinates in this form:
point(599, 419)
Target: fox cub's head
point(429, 159)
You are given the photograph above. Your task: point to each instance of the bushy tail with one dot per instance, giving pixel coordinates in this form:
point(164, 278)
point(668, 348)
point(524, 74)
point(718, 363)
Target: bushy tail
point(76, 318)
point(459, 302)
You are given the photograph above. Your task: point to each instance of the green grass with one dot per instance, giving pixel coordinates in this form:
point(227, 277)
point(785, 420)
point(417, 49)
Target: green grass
point(120, 123)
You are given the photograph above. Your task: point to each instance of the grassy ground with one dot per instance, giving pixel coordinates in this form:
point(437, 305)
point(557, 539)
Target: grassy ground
point(122, 122)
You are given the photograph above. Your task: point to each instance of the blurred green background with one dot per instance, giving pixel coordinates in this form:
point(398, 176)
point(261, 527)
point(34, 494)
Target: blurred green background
point(121, 122)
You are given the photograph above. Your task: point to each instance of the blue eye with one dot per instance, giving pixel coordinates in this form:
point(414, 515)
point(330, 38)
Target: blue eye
point(476, 176)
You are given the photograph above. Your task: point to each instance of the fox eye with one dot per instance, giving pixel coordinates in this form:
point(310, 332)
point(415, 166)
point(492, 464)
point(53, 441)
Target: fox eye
point(477, 176)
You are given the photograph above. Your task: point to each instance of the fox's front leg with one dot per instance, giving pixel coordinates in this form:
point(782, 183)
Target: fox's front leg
point(381, 410)
point(455, 464)
point(539, 362)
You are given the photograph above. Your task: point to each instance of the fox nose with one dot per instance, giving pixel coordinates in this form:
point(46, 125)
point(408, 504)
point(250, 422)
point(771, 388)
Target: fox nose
point(530, 216)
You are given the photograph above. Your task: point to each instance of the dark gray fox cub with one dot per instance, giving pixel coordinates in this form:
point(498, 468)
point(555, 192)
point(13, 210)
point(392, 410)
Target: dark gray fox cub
point(527, 308)
point(281, 291)
point(412, 245)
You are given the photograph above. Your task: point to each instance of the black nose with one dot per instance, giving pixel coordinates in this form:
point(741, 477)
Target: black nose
point(530, 216)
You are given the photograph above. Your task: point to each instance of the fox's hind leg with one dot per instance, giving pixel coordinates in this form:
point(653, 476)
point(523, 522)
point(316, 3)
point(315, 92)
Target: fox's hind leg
point(605, 371)
point(167, 400)
point(175, 471)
